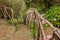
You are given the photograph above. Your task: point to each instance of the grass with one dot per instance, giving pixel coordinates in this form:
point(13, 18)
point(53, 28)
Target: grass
point(45, 26)
point(15, 23)
point(33, 29)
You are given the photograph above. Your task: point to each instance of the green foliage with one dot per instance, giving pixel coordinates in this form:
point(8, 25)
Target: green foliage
point(33, 28)
point(40, 8)
point(9, 21)
point(38, 4)
point(15, 23)
point(19, 8)
point(53, 15)
point(45, 26)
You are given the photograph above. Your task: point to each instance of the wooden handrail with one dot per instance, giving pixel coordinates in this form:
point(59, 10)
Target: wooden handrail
point(38, 18)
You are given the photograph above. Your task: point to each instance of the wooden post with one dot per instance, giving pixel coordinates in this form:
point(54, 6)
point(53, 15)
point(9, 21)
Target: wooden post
point(55, 35)
point(4, 14)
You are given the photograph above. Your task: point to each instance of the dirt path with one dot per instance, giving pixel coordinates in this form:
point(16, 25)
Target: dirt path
point(7, 32)
point(23, 33)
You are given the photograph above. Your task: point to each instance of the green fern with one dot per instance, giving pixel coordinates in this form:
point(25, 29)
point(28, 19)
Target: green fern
point(53, 15)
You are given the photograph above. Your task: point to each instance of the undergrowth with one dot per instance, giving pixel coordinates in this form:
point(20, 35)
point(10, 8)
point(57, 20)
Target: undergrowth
point(53, 15)
point(15, 23)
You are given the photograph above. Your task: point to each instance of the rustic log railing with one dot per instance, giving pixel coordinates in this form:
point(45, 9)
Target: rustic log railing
point(5, 12)
point(33, 15)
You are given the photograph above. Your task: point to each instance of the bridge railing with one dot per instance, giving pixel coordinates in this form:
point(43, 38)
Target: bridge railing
point(5, 12)
point(33, 15)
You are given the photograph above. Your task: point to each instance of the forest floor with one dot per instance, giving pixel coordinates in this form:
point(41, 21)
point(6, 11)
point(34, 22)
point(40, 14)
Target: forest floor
point(7, 32)
point(23, 33)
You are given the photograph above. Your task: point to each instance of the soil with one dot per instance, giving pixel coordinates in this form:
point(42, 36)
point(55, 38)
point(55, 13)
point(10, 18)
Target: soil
point(7, 32)
point(49, 31)
point(23, 33)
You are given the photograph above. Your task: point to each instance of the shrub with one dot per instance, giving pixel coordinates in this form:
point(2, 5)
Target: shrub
point(32, 26)
point(53, 15)
point(15, 23)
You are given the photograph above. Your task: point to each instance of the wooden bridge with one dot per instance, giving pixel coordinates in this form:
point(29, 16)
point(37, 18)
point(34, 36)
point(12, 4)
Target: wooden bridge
point(33, 15)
